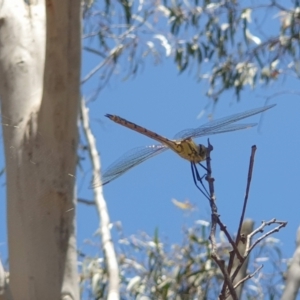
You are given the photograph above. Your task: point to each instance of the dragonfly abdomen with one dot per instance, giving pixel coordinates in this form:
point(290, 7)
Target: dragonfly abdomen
point(139, 129)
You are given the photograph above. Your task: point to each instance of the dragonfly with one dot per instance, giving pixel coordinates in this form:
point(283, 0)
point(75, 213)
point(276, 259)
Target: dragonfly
point(182, 144)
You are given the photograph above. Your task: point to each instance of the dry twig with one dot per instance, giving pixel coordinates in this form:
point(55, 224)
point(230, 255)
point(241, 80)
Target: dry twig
point(241, 246)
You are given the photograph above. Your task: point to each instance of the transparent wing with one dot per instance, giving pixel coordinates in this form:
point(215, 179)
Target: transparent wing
point(129, 160)
point(228, 128)
point(223, 123)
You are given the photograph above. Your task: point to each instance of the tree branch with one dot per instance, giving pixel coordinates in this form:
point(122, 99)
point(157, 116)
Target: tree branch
point(108, 247)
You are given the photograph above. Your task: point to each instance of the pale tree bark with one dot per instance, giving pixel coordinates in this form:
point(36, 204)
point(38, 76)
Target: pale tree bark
point(3, 283)
point(107, 243)
point(293, 274)
point(247, 228)
point(40, 47)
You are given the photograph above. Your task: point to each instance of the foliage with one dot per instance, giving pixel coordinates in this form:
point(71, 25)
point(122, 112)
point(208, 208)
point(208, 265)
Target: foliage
point(217, 40)
point(150, 269)
point(229, 44)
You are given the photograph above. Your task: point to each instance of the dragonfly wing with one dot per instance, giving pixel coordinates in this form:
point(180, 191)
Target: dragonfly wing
point(129, 160)
point(183, 133)
point(228, 128)
point(215, 126)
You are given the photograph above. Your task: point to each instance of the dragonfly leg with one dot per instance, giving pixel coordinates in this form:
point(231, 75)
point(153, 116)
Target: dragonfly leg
point(197, 177)
point(203, 168)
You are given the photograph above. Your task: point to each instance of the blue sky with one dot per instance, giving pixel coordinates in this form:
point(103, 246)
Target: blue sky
point(165, 102)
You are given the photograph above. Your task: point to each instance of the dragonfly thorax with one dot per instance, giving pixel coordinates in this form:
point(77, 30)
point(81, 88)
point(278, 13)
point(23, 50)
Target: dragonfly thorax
point(189, 150)
point(202, 152)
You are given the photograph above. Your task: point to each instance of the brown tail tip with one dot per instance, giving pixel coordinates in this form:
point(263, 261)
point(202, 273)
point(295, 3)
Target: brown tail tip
point(109, 116)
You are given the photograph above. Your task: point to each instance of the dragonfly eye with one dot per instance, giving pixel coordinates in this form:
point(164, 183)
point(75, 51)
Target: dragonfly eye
point(202, 151)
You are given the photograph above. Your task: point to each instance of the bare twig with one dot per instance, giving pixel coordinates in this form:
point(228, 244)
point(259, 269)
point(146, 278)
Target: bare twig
point(209, 178)
point(238, 238)
point(260, 229)
point(108, 247)
point(232, 243)
point(113, 53)
point(235, 263)
point(214, 221)
point(85, 201)
point(250, 171)
point(247, 277)
point(242, 245)
point(214, 210)
point(227, 279)
point(250, 247)
point(243, 280)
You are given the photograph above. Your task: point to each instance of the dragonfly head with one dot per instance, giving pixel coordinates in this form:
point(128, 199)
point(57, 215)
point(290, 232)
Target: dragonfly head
point(202, 152)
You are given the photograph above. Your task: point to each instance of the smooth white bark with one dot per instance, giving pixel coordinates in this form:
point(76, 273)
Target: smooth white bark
point(293, 274)
point(39, 89)
point(107, 243)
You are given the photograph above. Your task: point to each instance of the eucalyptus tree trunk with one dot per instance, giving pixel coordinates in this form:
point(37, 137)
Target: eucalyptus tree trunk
point(40, 49)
